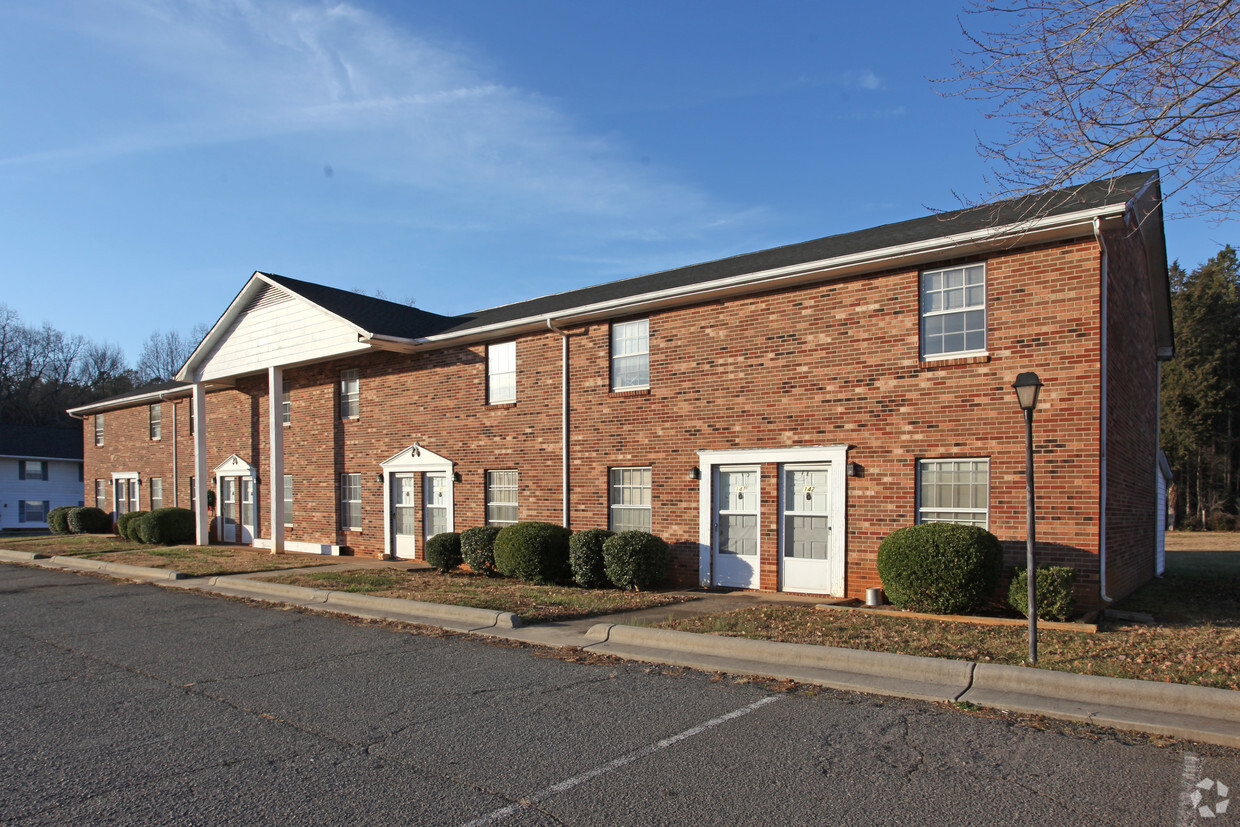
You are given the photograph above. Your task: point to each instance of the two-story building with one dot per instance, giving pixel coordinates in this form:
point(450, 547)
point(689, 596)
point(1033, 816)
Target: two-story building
point(772, 415)
point(40, 469)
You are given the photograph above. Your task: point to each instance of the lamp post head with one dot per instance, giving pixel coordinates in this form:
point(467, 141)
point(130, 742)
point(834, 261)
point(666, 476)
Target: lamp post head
point(1027, 386)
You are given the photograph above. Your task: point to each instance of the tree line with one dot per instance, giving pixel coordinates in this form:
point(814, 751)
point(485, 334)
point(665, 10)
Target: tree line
point(44, 371)
point(1201, 394)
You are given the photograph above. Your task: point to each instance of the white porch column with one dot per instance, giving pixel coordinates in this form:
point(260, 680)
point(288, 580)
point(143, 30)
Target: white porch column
point(200, 464)
point(275, 486)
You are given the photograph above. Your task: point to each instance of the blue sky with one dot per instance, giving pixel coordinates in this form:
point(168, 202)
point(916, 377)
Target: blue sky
point(461, 155)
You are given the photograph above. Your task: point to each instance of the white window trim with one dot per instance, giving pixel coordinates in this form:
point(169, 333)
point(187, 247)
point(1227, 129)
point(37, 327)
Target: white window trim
point(350, 399)
point(922, 314)
point(492, 374)
point(155, 422)
point(151, 485)
point(286, 403)
point(516, 501)
point(613, 506)
point(983, 511)
point(344, 510)
point(614, 356)
point(288, 499)
point(99, 430)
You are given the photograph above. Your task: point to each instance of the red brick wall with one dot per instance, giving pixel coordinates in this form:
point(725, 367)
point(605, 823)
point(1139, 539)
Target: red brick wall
point(832, 363)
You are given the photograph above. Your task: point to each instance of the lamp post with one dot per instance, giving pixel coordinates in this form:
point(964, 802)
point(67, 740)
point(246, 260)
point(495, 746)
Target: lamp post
point(1027, 386)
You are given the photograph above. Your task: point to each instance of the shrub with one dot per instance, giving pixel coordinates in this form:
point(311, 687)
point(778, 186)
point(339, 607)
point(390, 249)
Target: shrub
point(585, 557)
point(127, 525)
point(1054, 592)
point(88, 520)
point(943, 568)
point(443, 551)
point(636, 560)
point(58, 519)
point(167, 526)
point(478, 548)
point(533, 552)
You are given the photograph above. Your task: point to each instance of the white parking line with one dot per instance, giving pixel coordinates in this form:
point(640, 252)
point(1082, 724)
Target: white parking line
point(1188, 782)
point(568, 784)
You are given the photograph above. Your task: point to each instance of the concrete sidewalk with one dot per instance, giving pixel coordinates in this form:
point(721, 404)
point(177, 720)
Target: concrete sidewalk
point(1192, 712)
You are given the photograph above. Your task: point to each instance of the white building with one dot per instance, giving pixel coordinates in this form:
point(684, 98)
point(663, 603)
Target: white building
point(40, 469)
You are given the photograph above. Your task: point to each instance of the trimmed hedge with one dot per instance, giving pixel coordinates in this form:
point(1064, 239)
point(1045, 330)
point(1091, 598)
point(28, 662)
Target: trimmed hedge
point(942, 568)
point(636, 560)
point(58, 519)
point(478, 548)
point(127, 525)
point(443, 551)
point(534, 552)
point(167, 526)
point(1056, 600)
point(88, 520)
point(585, 557)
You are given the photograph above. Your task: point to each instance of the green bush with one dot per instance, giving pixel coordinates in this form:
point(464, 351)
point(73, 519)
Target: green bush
point(443, 551)
point(585, 557)
point(636, 560)
point(943, 568)
point(127, 525)
point(534, 552)
point(478, 548)
point(58, 519)
point(88, 520)
point(1054, 592)
point(167, 527)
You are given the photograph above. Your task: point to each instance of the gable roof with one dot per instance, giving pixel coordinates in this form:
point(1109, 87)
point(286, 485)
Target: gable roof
point(40, 442)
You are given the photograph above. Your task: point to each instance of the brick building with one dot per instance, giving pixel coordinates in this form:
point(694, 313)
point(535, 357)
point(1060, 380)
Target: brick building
point(772, 415)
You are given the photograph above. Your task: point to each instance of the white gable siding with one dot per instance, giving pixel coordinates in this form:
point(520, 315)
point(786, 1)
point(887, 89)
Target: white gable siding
point(279, 329)
point(60, 488)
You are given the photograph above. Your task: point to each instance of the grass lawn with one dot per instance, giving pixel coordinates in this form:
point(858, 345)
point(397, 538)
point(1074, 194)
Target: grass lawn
point(194, 561)
point(1195, 638)
point(533, 604)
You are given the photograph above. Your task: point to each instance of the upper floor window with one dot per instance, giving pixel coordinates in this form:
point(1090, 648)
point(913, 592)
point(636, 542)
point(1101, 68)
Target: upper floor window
point(630, 499)
point(349, 392)
point(156, 421)
point(953, 311)
point(501, 497)
point(630, 355)
point(98, 429)
point(502, 373)
point(286, 406)
point(31, 469)
point(953, 491)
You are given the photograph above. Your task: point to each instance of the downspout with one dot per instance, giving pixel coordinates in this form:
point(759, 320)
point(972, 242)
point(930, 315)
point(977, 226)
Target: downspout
point(1102, 426)
point(563, 417)
point(176, 496)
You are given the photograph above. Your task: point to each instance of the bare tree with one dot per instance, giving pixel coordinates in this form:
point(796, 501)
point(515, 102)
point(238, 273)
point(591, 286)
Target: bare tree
point(164, 353)
point(1090, 89)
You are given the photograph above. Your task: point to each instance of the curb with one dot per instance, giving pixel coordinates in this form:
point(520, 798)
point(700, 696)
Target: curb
point(20, 556)
point(850, 669)
point(115, 569)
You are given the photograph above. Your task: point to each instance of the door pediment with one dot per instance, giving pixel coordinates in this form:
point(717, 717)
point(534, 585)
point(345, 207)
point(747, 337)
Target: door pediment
point(235, 466)
point(417, 458)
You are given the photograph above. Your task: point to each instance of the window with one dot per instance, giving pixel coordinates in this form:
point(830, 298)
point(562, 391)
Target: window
point(501, 497)
point(351, 502)
point(31, 469)
point(953, 311)
point(32, 511)
point(157, 417)
point(630, 499)
point(98, 429)
point(193, 501)
point(349, 386)
point(502, 373)
point(630, 355)
point(953, 491)
point(285, 405)
point(191, 417)
point(101, 495)
point(288, 499)
point(157, 492)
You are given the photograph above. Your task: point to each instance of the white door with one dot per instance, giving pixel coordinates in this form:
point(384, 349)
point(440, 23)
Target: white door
point(436, 507)
point(245, 526)
point(736, 528)
point(404, 512)
point(805, 529)
point(228, 509)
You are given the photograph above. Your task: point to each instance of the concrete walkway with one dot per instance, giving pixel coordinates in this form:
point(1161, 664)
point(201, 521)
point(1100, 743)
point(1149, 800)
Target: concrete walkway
point(1192, 712)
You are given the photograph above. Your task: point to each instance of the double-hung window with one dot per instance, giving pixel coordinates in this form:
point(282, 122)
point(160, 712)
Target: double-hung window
point(98, 429)
point(157, 492)
point(953, 491)
point(101, 495)
point(501, 497)
point(156, 421)
point(630, 355)
point(502, 373)
point(349, 393)
point(286, 406)
point(32, 511)
point(351, 502)
point(31, 469)
point(288, 499)
point(630, 499)
point(953, 312)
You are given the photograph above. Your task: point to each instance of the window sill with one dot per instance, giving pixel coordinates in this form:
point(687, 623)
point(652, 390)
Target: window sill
point(502, 405)
point(630, 392)
point(349, 419)
point(954, 361)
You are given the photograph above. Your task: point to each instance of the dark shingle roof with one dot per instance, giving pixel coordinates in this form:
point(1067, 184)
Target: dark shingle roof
point(376, 315)
point(40, 441)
